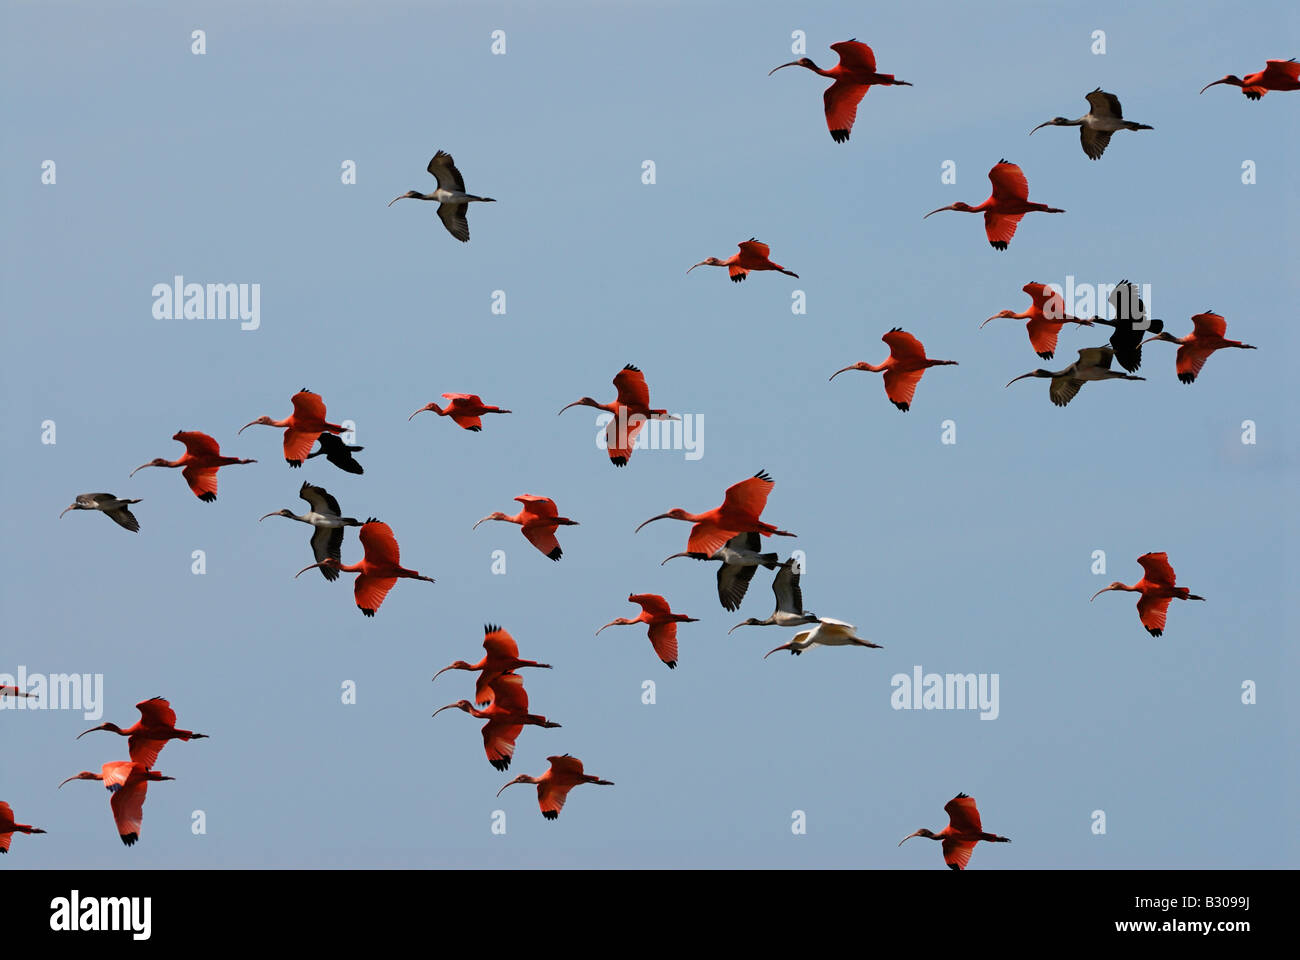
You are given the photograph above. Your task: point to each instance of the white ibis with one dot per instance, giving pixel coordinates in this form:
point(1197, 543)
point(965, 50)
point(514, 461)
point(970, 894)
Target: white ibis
point(1096, 126)
point(324, 515)
point(338, 453)
point(1093, 364)
point(827, 633)
point(1131, 324)
point(115, 509)
point(453, 201)
point(789, 602)
point(740, 559)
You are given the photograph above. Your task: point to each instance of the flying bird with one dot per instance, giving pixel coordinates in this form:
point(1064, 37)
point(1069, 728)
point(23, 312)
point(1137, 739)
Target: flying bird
point(539, 520)
point(1096, 126)
point(1093, 364)
point(1207, 335)
point(201, 461)
point(1004, 208)
point(630, 411)
point(378, 570)
point(854, 75)
point(324, 517)
point(903, 368)
point(119, 511)
point(338, 453)
point(740, 559)
point(9, 826)
point(148, 735)
point(827, 633)
point(1131, 324)
point(465, 409)
point(127, 782)
point(302, 427)
point(1046, 316)
point(506, 718)
point(1157, 587)
point(662, 621)
point(753, 255)
point(962, 833)
point(741, 508)
point(501, 656)
point(554, 785)
point(1277, 75)
point(789, 602)
point(453, 201)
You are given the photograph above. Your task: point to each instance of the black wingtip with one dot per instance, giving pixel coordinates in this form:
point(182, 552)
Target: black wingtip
point(998, 244)
point(618, 461)
point(551, 814)
point(368, 613)
point(840, 136)
point(672, 664)
point(556, 554)
point(490, 628)
point(130, 838)
point(901, 406)
point(503, 764)
point(207, 497)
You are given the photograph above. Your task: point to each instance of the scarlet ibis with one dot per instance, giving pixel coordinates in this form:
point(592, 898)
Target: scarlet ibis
point(827, 633)
point(1131, 324)
point(501, 656)
point(1046, 316)
point(789, 602)
point(630, 409)
point(117, 510)
point(128, 782)
point(379, 570)
point(338, 453)
point(302, 427)
point(854, 75)
point(1194, 349)
point(739, 513)
point(554, 785)
point(538, 520)
point(9, 826)
point(962, 833)
point(1096, 126)
point(148, 735)
point(1093, 364)
point(506, 718)
point(465, 409)
point(1157, 589)
point(453, 201)
point(1004, 208)
point(201, 460)
point(903, 368)
point(327, 535)
point(1276, 75)
point(662, 621)
point(12, 691)
point(740, 559)
point(753, 255)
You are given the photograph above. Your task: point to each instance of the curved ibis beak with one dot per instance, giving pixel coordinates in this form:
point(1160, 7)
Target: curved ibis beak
point(510, 784)
point(792, 63)
point(933, 212)
point(737, 627)
point(909, 837)
point(784, 646)
point(312, 567)
point(273, 513)
point(412, 416)
point(66, 509)
point(1215, 84)
point(674, 556)
point(69, 780)
point(139, 468)
point(83, 733)
point(578, 403)
point(450, 706)
point(1098, 594)
point(661, 516)
point(703, 263)
point(245, 427)
point(395, 199)
point(994, 317)
point(1046, 123)
point(610, 624)
point(485, 519)
point(1021, 377)
point(440, 673)
point(845, 370)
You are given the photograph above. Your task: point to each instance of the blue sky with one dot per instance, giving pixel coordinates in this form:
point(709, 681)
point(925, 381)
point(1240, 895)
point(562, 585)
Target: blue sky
point(965, 557)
